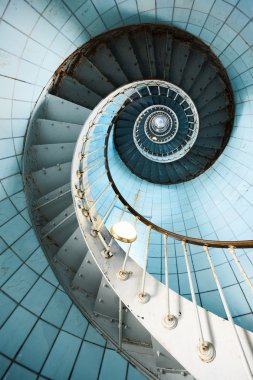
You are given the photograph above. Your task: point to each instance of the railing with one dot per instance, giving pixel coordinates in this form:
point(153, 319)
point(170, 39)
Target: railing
point(83, 189)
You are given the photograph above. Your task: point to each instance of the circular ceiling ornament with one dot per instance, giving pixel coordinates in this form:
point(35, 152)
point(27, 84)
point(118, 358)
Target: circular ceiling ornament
point(160, 126)
point(175, 126)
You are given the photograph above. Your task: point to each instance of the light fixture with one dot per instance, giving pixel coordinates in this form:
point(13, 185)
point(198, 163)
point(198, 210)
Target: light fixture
point(124, 231)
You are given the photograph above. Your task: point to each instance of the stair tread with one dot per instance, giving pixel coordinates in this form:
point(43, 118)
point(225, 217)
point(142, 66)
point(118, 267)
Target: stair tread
point(51, 178)
point(106, 63)
point(63, 110)
point(77, 93)
point(58, 219)
point(88, 276)
point(47, 155)
point(73, 251)
point(90, 76)
point(55, 132)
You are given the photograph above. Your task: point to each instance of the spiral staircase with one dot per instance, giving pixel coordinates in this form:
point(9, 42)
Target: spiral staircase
point(75, 234)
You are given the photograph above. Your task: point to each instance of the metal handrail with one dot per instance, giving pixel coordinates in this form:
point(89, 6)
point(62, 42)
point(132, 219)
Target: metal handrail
point(187, 239)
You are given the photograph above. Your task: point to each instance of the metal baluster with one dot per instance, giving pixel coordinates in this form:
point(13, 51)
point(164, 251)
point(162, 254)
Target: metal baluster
point(84, 155)
point(229, 316)
point(169, 321)
point(95, 137)
point(88, 209)
point(106, 252)
point(90, 184)
point(142, 296)
point(234, 255)
point(138, 93)
point(205, 349)
point(149, 90)
point(96, 230)
point(79, 173)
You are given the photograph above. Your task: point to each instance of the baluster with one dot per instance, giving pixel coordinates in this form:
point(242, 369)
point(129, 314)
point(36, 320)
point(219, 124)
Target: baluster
point(86, 154)
point(169, 321)
point(90, 184)
point(95, 137)
point(106, 252)
point(143, 297)
point(86, 169)
point(234, 255)
point(87, 209)
point(96, 230)
point(229, 316)
point(206, 350)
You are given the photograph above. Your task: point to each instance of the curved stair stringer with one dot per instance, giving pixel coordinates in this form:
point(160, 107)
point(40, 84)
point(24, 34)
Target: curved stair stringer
point(182, 341)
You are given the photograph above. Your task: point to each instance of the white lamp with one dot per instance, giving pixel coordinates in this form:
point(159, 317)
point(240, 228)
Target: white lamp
point(124, 231)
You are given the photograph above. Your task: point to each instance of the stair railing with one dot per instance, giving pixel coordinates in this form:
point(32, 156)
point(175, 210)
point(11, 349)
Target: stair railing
point(206, 350)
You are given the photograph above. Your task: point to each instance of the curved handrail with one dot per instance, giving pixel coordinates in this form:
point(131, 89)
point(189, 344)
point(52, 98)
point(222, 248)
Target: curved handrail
point(187, 239)
point(93, 227)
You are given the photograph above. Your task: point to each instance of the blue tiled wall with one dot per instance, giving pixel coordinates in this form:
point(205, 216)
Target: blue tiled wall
point(35, 37)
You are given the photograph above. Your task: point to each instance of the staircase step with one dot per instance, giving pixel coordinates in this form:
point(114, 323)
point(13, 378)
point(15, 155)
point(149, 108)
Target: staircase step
point(51, 204)
point(194, 65)
point(213, 105)
point(89, 75)
point(73, 251)
point(47, 180)
point(211, 91)
point(160, 40)
point(179, 59)
point(218, 117)
point(206, 76)
point(63, 110)
point(55, 132)
point(140, 50)
point(103, 59)
point(124, 54)
point(107, 302)
point(58, 221)
point(88, 276)
point(77, 93)
point(46, 155)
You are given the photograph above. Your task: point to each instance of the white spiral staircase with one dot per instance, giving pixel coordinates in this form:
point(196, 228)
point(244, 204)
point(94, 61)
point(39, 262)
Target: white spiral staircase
point(87, 260)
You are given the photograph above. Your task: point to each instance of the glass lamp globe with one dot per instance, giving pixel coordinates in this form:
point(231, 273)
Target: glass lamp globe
point(124, 231)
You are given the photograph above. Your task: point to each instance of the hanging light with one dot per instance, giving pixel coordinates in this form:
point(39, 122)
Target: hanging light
point(124, 231)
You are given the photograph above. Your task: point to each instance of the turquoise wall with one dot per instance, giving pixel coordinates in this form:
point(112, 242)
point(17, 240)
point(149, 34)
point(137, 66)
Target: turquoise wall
point(35, 37)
